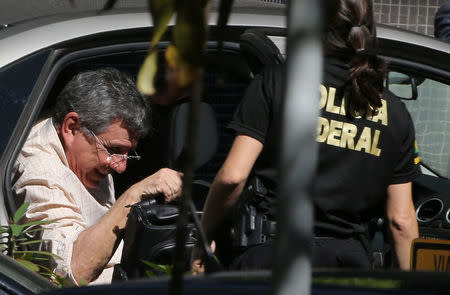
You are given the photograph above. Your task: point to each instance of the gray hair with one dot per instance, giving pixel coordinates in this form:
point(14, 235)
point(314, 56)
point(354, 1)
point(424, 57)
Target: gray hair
point(100, 97)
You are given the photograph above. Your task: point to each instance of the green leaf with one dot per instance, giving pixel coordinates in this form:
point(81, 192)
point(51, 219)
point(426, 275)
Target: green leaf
point(37, 222)
point(147, 74)
point(53, 277)
point(81, 282)
point(31, 242)
point(189, 33)
point(16, 229)
point(61, 281)
point(23, 256)
point(149, 274)
point(165, 268)
point(21, 212)
point(28, 264)
point(161, 11)
point(185, 73)
point(39, 253)
point(34, 229)
point(189, 38)
point(46, 269)
point(216, 259)
point(40, 259)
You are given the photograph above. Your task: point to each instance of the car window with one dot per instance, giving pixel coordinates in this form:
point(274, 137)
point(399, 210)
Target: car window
point(226, 78)
point(14, 92)
point(430, 113)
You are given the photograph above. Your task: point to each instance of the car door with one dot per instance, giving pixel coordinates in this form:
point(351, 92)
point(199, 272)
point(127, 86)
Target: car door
point(226, 78)
point(422, 80)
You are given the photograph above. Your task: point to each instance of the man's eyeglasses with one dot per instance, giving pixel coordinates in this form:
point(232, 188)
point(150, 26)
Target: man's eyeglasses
point(113, 158)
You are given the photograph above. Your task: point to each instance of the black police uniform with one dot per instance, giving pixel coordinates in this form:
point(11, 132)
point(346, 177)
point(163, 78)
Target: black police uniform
point(360, 155)
point(442, 22)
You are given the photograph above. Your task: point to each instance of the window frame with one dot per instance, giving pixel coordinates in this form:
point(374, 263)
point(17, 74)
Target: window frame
point(60, 59)
point(422, 70)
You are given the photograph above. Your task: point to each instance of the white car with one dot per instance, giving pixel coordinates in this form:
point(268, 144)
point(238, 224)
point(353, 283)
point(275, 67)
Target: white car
point(38, 56)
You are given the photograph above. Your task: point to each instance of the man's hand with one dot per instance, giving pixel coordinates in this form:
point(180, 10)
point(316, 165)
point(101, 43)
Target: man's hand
point(166, 181)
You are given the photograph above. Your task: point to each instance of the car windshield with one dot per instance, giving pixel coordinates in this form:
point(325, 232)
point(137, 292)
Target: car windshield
point(431, 115)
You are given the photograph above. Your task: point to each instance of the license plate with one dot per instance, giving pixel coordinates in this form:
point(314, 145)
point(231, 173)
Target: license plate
point(430, 255)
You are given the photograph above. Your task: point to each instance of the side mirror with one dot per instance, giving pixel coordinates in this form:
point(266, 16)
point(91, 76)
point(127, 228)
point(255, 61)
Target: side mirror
point(402, 85)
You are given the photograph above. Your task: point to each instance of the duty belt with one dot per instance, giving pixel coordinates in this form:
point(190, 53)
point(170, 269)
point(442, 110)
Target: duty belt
point(253, 228)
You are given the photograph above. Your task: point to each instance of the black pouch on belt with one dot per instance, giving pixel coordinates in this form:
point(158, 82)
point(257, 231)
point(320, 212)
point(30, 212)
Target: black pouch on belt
point(250, 226)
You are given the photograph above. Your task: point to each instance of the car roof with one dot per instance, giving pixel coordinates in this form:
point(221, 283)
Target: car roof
point(412, 46)
point(394, 33)
point(22, 38)
point(25, 37)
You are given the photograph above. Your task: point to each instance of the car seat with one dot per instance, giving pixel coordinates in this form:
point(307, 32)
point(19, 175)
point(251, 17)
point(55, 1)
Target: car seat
point(207, 137)
point(151, 226)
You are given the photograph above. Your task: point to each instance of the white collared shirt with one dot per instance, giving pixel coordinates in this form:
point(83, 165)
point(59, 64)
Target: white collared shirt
point(42, 177)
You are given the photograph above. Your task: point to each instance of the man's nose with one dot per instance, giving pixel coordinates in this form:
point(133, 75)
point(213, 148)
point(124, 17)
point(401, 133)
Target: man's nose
point(120, 166)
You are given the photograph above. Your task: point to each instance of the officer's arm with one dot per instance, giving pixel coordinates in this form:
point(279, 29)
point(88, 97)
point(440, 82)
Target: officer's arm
point(402, 221)
point(229, 182)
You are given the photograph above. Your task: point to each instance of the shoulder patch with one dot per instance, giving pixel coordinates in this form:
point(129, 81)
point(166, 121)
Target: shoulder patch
point(416, 151)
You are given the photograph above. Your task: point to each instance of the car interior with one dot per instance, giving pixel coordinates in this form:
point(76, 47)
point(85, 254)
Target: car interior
point(151, 228)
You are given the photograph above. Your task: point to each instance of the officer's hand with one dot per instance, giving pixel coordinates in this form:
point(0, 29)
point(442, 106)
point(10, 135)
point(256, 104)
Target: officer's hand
point(198, 258)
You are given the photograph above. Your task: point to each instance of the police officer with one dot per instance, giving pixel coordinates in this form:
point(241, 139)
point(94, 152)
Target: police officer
point(442, 22)
point(367, 152)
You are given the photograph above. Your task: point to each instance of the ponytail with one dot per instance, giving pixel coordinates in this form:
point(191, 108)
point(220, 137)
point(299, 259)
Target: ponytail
point(351, 36)
point(367, 72)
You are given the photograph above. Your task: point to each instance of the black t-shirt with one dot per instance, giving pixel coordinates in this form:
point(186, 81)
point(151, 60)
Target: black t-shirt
point(359, 155)
point(258, 116)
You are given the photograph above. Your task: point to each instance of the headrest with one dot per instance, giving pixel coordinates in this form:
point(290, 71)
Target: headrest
point(259, 50)
point(207, 137)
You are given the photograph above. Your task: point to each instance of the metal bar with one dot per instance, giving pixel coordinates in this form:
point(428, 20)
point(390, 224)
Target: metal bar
point(176, 284)
point(292, 271)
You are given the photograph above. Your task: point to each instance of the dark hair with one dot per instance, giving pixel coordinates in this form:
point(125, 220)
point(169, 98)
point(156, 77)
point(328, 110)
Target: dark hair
point(351, 36)
point(101, 96)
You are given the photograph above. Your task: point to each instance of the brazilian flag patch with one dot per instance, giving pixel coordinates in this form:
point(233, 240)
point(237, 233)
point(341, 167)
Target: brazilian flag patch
point(416, 151)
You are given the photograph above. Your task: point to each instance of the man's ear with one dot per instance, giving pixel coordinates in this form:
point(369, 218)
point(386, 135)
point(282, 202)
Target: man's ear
point(70, 126)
